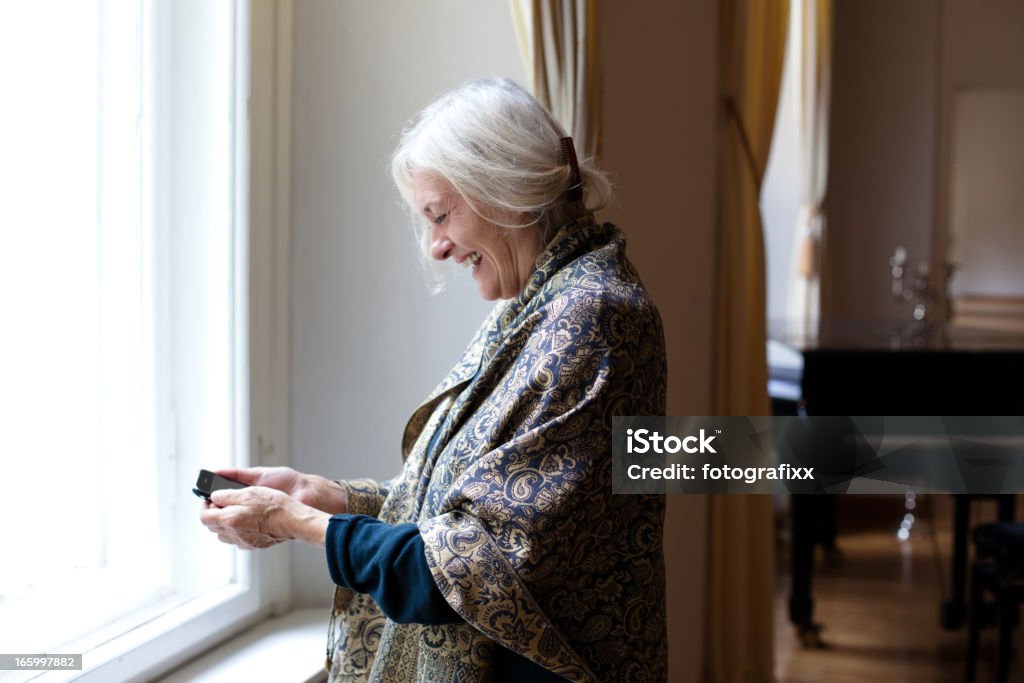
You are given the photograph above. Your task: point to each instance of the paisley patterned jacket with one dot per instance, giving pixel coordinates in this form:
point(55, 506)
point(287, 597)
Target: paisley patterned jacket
point(508, 475)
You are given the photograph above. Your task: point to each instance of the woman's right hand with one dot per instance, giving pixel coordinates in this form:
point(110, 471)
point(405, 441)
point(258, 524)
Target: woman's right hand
point(309, 489)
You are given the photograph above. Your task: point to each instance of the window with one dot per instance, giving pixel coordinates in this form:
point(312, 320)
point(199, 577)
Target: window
point(124, 353)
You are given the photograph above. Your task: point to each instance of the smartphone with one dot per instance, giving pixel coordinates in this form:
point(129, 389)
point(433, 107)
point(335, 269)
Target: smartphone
point(208, 482)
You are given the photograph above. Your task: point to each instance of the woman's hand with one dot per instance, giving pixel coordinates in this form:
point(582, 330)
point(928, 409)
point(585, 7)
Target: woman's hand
point(259, 517)
point(312, 490)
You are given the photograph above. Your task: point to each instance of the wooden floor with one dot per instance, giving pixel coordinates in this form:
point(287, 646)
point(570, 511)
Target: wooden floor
point(880, 607)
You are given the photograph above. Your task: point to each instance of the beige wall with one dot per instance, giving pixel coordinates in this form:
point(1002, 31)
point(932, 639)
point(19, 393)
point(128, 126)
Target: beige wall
point(982, 47)
point(881, 150)
point(369, 342)
point(983, 43)
point(659, 141)
point(896, 65)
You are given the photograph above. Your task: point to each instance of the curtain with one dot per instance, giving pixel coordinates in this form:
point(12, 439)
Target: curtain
point(752, 36)
point(812, 28)
point(558, 42)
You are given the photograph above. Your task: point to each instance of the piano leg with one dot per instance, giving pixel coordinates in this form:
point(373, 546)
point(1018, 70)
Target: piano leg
point(954, 611)
point(812, 519)
point(1007, 507)
point(801, 605)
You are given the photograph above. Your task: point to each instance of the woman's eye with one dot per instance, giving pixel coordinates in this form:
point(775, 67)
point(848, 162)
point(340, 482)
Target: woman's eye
point(440, 219)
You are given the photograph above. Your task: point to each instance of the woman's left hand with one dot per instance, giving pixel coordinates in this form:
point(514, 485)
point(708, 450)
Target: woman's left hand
point(259, 517)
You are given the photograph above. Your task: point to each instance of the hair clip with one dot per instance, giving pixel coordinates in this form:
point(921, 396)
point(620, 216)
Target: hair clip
point(574, 193)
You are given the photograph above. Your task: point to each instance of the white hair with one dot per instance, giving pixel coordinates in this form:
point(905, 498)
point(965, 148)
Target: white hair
point(501, 151)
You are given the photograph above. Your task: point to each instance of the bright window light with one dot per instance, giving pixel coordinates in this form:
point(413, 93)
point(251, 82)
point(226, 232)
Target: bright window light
point(119, 295)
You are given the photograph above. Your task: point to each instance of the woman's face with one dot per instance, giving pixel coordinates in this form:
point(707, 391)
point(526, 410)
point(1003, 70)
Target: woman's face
point(501, 258)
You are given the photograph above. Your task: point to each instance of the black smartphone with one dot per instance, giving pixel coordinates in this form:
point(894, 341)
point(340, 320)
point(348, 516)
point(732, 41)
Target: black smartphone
point(208, 482)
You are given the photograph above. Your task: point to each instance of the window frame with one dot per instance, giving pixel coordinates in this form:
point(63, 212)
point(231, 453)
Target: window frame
point(261, 119)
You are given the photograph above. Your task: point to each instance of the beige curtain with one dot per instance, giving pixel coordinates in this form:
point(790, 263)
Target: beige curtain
point(740, 580)
point(811, 27)
point(558, 42)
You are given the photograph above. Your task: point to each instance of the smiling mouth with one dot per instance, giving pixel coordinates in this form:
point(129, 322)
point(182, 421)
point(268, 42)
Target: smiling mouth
point(472, 261)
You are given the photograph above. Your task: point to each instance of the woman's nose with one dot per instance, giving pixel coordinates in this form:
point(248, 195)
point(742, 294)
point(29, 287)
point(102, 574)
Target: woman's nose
point(440, 246)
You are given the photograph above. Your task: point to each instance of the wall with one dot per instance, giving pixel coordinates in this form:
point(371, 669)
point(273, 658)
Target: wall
point(660, 142)
point(881, 156)
point(983, 43)
point(896, 67)
point(368, 341)
point(982, 47)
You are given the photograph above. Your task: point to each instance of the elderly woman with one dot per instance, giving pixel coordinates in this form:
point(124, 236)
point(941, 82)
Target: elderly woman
point(499, 551)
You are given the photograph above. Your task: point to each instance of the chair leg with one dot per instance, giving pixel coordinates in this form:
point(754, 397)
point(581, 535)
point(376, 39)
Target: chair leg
point(1007, 620)
point(976, 622)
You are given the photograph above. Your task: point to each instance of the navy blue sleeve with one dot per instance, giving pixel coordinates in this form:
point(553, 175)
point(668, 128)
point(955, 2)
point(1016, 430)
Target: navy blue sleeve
point(388, 562)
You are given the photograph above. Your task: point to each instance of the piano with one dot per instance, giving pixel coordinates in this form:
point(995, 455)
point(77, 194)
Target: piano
point(857, 368)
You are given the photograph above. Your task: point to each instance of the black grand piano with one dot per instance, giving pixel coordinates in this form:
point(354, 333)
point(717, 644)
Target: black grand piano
point(857, 368)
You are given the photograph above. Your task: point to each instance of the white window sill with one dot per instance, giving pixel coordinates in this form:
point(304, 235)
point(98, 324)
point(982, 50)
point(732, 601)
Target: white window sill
point(288, 648)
